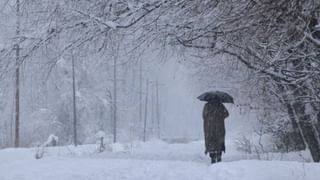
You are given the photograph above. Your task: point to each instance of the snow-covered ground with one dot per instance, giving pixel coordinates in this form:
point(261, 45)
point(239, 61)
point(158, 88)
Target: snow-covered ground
point(151, 161)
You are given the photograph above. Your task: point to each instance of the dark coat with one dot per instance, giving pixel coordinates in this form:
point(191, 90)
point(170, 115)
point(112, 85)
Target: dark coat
point(214, 114)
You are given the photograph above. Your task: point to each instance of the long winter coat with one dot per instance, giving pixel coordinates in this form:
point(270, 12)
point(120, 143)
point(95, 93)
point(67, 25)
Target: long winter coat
point(214, 114)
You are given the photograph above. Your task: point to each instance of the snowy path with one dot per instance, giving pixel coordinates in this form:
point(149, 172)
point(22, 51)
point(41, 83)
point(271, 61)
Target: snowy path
point(169, 162)
point(121, 169)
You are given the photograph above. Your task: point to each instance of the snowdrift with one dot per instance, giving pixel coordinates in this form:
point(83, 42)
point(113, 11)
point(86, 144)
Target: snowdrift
point(145, 161)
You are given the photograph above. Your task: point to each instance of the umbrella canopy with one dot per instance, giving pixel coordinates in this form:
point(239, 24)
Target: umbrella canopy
point(220, 96)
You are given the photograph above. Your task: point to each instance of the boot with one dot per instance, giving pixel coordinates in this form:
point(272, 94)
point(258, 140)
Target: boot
point(213, 158)
point(213, 161)
point(219, 156)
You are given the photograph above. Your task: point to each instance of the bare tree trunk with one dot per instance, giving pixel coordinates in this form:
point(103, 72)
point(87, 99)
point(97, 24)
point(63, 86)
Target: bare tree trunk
point(301, 120)
point(75, 139)
point(308, 131)
point(17, 82)
point(146, 114)
point(318, 122)
point(305, 122)
point(298, 140)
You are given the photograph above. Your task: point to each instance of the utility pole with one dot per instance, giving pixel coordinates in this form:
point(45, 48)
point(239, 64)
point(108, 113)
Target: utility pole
point(140, 91)
point(153, 106)
point(158, 109)
point(114, 99)
point(146, 114)
point(75, 140)
point(17, 75)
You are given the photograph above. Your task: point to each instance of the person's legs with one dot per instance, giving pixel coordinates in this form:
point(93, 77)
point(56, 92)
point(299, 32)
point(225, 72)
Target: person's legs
point(213, 157)
point(219, 154)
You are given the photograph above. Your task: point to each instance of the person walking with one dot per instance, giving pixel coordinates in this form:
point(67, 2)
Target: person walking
point(214, 114)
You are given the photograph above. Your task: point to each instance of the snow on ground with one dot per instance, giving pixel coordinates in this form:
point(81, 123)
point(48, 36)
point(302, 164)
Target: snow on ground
point(149, 161)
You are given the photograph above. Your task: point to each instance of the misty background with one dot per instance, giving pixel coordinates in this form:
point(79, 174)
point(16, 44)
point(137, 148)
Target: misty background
point(133, 70)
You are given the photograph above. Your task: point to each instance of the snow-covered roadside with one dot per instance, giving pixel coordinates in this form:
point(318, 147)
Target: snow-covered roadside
point(151, 150)
point(122, 169)
point(152, 160)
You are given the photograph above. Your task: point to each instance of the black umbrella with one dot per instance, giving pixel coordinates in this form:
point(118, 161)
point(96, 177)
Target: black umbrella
point(220, 96)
